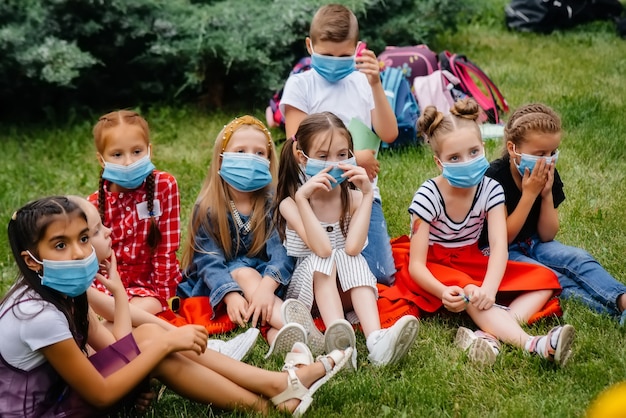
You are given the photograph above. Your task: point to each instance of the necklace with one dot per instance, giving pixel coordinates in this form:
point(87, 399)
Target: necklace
point(245, 227)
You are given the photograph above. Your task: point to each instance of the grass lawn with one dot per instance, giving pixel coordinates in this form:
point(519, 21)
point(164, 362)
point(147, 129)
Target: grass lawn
point(579, 72)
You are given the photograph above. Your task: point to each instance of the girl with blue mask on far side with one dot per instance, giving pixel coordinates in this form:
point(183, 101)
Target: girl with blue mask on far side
point(141, 205)
point(233, 253)
point(48, 328)
point(447, 268)
point(533, 190)
point(324, 202)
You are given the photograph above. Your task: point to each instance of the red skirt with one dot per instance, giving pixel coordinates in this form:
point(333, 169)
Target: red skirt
point(463, 266)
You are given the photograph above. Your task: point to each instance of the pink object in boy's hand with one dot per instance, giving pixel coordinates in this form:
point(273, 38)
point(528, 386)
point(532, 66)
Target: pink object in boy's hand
point(359, 49)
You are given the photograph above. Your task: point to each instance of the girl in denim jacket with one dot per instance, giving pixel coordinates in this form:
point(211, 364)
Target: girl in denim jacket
point(233, 253)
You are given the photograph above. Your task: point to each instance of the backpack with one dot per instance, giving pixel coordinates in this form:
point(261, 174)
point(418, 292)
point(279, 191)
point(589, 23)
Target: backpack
point(544, 16)
point(475, 83)
point(398, 92)
point(413, 61)
point(435, 90)
point(273, 115)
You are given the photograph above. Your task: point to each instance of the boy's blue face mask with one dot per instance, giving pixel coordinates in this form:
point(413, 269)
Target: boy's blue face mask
point(70, 277)
point(128, 176)
point(331, 68)
point(466, 174)
point(245, 172)
point(314, 166)
point(529, 161)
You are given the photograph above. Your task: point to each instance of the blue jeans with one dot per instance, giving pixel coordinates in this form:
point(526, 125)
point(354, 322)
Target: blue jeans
point(378, 250)
point(580, 275)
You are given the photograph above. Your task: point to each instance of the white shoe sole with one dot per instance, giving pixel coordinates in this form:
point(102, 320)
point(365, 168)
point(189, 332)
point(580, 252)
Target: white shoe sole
point(292, 310)
point(563, 350)
point(339, 336)
point(405, 331)
point(286, 337)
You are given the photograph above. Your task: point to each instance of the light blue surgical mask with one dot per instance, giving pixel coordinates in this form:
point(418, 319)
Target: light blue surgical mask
point(314, 166)
point(245, 172)
point(332, 68)
point(529, 161)
point(465, 174)
point(128, 176)
point(70, 277)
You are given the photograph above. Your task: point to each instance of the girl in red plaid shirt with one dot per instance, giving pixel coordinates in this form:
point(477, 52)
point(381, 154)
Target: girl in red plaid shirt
point(141, 205)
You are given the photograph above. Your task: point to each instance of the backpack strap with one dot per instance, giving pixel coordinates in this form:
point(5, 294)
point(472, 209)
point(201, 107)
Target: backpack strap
point(391, 79)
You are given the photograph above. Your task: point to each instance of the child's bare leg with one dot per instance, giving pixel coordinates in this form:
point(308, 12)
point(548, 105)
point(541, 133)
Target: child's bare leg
point(526, 305)
point(499, 323)
point(366, 309)
point(147, 303)
point(222, 381)
point(327, 296)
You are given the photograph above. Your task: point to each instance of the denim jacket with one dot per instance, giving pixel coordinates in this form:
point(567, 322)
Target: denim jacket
point(209, 272)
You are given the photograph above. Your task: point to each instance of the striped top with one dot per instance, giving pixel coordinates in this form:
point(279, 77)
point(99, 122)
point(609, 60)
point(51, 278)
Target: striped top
point(429, 205)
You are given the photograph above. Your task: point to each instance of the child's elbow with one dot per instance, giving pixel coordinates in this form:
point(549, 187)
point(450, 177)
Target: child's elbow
point(353, 250)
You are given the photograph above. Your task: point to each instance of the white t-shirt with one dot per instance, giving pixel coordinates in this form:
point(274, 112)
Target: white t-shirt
point(351, 97)
point(29, 326)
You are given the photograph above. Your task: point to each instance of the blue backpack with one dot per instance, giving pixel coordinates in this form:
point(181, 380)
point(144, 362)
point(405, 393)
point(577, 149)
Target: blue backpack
point(398, 92)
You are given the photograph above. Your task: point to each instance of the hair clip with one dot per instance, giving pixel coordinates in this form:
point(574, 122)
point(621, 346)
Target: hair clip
point(151, 214)
point(293, 138)
point(14, 216)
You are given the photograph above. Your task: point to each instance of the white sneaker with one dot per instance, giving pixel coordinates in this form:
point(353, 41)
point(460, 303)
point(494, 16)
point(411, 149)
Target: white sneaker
point(339, 336)
point(481, 347)
point(238, 347)
point(388, 346)
point(292, 310)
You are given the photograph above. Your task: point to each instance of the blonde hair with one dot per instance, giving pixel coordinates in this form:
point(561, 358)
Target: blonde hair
point(434, 125)
point(100, 136)
point(334, 23)
point(213, 202)
point(533, 117)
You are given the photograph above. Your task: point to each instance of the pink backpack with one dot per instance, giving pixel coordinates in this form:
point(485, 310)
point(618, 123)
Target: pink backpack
point(413, 61)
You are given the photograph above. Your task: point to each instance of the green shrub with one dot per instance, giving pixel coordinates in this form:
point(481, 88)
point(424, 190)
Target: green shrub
point(59, 54)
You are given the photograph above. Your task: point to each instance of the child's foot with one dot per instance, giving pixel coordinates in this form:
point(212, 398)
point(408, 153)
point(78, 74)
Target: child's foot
point(303, 382)
point(481, 347)
point(339, 336)
point(388, 346)
point(556, 346)
point(236, 348)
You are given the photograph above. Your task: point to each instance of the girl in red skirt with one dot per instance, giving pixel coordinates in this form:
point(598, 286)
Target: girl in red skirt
point(448, 269)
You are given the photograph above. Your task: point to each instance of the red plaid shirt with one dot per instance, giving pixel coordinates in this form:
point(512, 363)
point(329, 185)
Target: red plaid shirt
point(143, 272)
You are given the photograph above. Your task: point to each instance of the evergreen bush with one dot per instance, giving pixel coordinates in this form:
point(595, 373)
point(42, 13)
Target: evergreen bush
point(60, 54)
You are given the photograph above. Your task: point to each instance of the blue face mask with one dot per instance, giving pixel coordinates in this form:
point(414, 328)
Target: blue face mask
point(70, 277)
point(467, 174)
point(331, 68)
point(128, 176)
point(245, 172)
point(314, 166)
point(529, 161)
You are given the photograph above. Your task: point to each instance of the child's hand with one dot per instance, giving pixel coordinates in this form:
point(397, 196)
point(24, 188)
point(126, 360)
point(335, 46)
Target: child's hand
point(535, 182)
point(188, 337)
point(320, 181)
point(452, 299)
point(261, 305)
point(357, 176)
point(479, 297)
point(113, 283)
point(367, 160)
point(368, 65)
point(547, 189)
point(237, 308)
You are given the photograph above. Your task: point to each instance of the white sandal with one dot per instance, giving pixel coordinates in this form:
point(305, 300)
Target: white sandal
point(299, 356)
point(295, 388)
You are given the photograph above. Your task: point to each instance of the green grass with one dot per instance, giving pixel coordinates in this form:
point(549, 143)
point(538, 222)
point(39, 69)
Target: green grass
point(580, 73)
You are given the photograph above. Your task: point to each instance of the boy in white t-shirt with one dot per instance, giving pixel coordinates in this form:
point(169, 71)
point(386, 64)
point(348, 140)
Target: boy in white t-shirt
point(347, 84)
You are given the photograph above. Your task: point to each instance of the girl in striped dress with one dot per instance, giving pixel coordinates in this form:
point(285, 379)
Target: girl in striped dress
point(449, 270)
point(324, 222)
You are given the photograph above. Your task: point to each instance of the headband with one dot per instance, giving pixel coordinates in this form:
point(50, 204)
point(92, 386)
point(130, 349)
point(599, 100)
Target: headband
point(244, 120)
